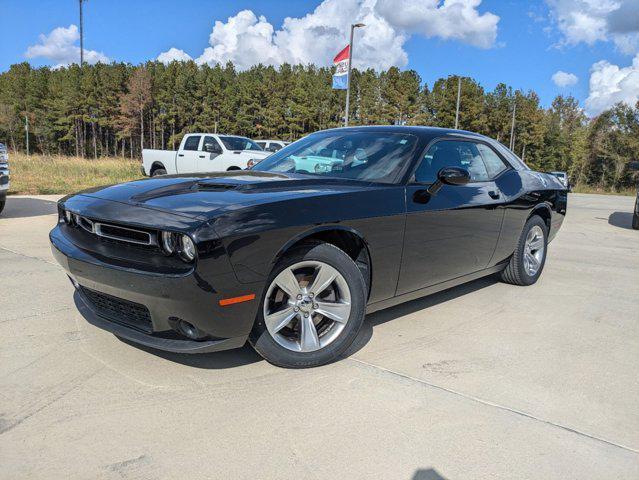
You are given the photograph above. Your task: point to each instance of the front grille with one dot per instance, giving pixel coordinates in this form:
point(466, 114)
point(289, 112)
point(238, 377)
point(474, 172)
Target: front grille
point(119, 310)
point(117, 233)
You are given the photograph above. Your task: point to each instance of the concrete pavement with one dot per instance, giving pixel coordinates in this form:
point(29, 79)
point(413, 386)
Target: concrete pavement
point(486, 380)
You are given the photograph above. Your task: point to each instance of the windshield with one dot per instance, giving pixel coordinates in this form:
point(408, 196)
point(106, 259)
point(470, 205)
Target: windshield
point(239, 143)
point(367, 156)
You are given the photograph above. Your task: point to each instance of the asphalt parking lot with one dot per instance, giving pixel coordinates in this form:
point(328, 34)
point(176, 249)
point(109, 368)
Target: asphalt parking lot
point(485, 380)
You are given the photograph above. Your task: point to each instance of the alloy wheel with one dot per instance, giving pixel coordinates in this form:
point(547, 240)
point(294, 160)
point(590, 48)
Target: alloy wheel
point(307, 306)
point(534, 248)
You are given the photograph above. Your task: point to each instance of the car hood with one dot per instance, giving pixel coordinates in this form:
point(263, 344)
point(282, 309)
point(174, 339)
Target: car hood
point(207, 196)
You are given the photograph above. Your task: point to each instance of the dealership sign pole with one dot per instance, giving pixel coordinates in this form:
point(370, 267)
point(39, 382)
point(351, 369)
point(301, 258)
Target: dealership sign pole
point(342, 76)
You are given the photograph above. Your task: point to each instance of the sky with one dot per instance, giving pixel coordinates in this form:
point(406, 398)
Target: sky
point(585, 48)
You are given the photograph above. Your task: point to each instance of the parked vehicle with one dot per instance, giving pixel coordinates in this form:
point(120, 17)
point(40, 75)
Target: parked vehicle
point(4, 176)
point(290, 256)
point(203, 153)
point(635, 213)
point(563, 177)
point(272, 145)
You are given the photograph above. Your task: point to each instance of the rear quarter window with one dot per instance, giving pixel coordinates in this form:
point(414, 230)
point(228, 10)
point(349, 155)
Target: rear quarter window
point(192, 142)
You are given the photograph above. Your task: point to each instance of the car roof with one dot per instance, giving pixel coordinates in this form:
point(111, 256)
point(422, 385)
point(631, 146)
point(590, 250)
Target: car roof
point(421, 131)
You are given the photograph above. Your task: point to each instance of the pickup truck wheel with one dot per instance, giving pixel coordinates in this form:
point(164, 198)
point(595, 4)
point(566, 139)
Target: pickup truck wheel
point(312, 308)
point(157, 172)
point(635, 220)
point(529, 258)
point(2, 203)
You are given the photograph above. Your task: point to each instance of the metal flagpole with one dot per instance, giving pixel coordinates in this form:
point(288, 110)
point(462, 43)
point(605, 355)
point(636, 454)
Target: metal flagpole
point(81, 36)
point(348, 78)
point(512, 126)
point(26, 127)
point(458, 99)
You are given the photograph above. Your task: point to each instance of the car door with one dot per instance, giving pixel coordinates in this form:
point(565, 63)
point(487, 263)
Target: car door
point(452, 232)
point(210, 156)
point(188, 155)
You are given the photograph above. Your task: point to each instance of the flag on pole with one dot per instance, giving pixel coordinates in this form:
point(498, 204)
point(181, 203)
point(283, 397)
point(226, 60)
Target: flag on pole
point(340, 79)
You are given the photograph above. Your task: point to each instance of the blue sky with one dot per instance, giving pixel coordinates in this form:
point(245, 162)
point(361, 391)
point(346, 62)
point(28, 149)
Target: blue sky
point(529, 47)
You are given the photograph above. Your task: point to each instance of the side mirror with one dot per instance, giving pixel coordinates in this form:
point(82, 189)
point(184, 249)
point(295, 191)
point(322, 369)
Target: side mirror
point(449, 176)
point(211, 148)
point(453, 176)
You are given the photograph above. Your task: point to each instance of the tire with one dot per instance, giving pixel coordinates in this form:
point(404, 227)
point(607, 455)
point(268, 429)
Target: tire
point(230, 169)
point(158, 171)
point(517, 272)
point(289, 347)
point(2, 204)
point(635, 220)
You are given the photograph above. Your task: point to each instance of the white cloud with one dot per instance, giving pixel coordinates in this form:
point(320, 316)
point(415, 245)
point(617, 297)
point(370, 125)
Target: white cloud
point(564, 79)
point(589, 21)
point(610, 84)
point(173, 54)
point(246, 39)
point(59, 47)
point(453, 19)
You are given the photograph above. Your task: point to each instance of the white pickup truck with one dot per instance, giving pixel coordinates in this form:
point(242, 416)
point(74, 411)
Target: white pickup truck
point(203, 153)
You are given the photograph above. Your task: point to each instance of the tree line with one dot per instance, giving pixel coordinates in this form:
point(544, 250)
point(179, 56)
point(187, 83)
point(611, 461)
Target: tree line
point(119, 109)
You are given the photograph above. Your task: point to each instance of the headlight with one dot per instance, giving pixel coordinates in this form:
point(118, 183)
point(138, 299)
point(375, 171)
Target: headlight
point(168, 242)
point(68, 217)
point(187, 248)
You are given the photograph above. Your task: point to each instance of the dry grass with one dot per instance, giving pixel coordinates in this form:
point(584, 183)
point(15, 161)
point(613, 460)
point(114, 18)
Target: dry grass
point(580, 188)
point(41, 174)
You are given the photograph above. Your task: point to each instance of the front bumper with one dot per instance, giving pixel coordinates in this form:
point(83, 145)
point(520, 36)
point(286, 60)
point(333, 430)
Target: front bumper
point(192, 297)
point(4, 178)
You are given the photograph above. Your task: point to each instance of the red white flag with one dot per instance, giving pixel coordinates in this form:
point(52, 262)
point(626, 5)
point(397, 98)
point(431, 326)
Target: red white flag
point(340, 79)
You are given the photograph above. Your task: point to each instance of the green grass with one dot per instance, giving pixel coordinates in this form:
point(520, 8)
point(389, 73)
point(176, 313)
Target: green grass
point(42, 174)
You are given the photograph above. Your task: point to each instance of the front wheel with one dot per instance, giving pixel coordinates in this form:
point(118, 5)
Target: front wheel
point(312, 309)
point(2, 203)
point(529, 258)
point(158, 171)
point(635, 220)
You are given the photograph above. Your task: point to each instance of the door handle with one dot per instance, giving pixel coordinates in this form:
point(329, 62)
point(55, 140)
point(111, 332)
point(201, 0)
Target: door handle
point(494, 194)
point(180, 154)
point(201, 156)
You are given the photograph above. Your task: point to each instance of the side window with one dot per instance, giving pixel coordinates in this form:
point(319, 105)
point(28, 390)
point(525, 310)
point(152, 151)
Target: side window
point(451, 153)
point(274, 147)
point(494, 164)
point(192, 142)
point(262, 144)
point(211, 145)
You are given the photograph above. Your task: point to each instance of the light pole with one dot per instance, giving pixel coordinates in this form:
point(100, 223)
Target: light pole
point(348, 78)
point(81, 36)
point(458, 100)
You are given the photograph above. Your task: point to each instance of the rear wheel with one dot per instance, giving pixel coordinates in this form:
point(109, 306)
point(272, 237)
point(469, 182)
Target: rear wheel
point(529, 258)
point(158, 171)
point(635, 221)
point(2, 203)
point(312, 308)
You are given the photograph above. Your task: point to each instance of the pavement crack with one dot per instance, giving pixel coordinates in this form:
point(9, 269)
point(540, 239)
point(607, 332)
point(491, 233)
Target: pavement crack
point(30, 257)
point(494, 405)
point(41, 314)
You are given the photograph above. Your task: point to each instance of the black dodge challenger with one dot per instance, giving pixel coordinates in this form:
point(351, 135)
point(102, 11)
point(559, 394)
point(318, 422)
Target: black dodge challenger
point(291, 254)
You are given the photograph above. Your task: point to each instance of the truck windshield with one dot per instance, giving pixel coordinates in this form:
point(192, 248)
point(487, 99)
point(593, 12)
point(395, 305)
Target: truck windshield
point(239, 143)
point(366, 156)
